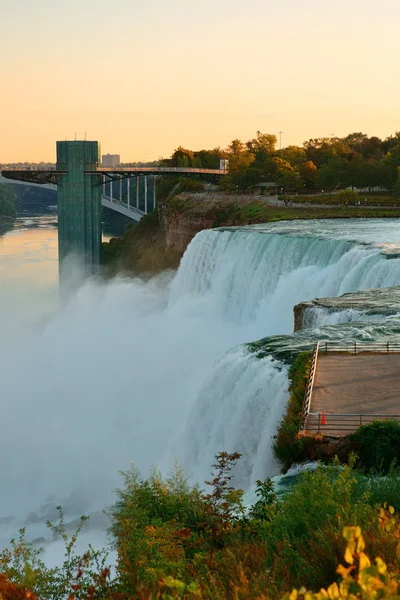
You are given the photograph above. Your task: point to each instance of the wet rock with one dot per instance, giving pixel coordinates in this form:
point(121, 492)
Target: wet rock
point(382, 301)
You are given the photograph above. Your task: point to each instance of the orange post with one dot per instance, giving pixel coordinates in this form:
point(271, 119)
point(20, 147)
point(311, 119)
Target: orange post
point(323, 419)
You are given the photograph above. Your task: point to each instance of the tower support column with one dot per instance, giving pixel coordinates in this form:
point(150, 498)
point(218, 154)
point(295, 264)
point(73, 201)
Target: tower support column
point(79, 204)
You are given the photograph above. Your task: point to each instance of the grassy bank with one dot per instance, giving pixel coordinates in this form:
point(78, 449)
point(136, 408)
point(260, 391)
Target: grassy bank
point(233, 211)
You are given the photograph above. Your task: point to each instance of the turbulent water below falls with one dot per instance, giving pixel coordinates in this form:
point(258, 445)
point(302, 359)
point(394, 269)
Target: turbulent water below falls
point(150, 371)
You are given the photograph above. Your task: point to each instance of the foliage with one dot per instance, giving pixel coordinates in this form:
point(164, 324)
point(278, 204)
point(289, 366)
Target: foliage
point(189, 185)
point(176, 541)
point(360, 579)
point(288, 447)
point(377, 445)
point(345, 196)
point(379, 489)
point(164, 527)
point(396, 187)
point(355, 160)
point(141, 250)
point(7, 202)
point(81, 575)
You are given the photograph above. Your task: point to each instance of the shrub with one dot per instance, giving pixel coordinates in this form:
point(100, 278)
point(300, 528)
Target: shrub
point(306, 530)
point(22, 565)
point(361, 579)
point(288, 447)
point(350, 196)
point(377, 445)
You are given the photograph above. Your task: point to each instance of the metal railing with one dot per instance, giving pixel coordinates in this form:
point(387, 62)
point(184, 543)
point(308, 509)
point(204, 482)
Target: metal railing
point(357, 347)
point(343, 423)
point(309, 388)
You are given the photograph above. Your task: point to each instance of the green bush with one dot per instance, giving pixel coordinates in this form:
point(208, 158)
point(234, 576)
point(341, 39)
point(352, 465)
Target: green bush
point(288, 448)
point(304, 539)
point(377, 445)
point(350, 196)
point(7, 202)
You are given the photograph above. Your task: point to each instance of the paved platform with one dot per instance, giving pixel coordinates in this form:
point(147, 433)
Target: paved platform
point(360, 384)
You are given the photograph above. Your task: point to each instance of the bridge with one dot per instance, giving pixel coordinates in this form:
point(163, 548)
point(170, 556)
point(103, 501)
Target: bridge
point(338, 399)
point(84, 187)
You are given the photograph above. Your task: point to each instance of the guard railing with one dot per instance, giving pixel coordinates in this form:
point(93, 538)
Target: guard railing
point(357, 347)
point(309, 388)
point(343, 423)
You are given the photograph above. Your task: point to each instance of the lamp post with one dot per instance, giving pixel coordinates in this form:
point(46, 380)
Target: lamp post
point(280, 139)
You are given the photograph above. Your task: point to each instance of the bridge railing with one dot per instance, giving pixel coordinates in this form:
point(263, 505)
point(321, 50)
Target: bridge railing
point(358, 347)
point(162, 170)
point(343, 423)
point(309, 388)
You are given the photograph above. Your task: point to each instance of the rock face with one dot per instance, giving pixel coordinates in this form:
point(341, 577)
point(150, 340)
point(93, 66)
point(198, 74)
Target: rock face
point(182, 217)
point(182, 222)
point(180, 230)
point(384, 301)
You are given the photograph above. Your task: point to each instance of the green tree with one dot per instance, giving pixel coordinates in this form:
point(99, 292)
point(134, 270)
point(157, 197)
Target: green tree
point(263, 144)
point(333, 174)
point(396, 187)
point(181, 157)
point(7, 201)
point(309, 175)
point(293, 155)
point(240, 159)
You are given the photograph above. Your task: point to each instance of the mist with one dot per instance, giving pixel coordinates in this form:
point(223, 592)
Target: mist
point(104, 377)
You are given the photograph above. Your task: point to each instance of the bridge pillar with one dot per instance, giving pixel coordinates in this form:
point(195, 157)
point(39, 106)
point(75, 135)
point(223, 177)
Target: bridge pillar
point(79, 204)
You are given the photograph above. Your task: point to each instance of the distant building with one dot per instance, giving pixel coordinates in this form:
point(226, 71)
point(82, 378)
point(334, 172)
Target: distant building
point(110, 160)
point(223, 164)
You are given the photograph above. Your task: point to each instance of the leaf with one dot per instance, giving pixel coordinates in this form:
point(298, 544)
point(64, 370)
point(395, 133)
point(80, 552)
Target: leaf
point(381, 565)
point(348, 555)
point(364, 561)
point(344, 571)
point(360, 544)
point(333, 591)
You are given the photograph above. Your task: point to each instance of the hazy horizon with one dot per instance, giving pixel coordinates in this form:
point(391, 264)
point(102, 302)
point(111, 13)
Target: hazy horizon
point(144, 79)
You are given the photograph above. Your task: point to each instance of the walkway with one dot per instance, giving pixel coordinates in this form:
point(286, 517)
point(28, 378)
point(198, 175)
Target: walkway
point(353, 389)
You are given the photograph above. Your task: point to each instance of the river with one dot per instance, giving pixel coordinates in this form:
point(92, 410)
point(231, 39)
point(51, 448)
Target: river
point(154, 370)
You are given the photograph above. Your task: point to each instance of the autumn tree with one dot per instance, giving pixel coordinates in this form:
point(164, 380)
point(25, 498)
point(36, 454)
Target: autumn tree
point(309, 175)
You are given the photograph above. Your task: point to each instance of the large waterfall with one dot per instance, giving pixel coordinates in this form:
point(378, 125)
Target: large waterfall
point(152, 370)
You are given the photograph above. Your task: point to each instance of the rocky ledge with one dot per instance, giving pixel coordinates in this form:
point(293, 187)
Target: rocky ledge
point(385, 301)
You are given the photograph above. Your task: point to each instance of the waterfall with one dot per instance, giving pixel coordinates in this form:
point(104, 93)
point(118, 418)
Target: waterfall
point(152, 370)
point(255, 277)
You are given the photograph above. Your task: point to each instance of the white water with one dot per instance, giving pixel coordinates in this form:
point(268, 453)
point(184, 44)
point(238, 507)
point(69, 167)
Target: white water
point(317, 316)
point(128, 370)
point(256, 278)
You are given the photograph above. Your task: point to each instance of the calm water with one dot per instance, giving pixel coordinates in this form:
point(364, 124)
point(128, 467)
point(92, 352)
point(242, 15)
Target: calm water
point(29, 250)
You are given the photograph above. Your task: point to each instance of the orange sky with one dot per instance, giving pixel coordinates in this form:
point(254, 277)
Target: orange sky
point(145, 78)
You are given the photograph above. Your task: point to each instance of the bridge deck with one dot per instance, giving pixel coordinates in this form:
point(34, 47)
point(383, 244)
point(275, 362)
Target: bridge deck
point(355, 385)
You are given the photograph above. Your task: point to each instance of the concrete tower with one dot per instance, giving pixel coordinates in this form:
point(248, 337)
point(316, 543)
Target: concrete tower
point(79, 204)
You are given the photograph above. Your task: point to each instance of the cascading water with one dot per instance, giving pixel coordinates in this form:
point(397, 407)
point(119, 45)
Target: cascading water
point(143, 370)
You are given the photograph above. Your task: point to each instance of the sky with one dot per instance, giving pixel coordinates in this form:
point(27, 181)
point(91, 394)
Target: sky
point(145, 77)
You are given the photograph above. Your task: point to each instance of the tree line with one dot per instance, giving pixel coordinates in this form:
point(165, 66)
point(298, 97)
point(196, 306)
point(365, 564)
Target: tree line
point(356, 161)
